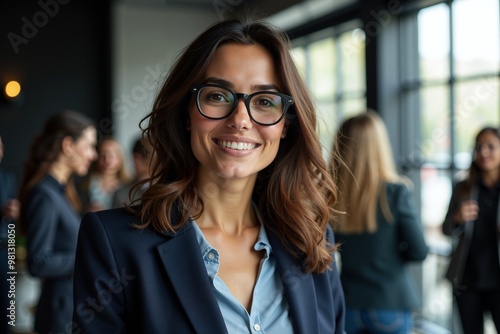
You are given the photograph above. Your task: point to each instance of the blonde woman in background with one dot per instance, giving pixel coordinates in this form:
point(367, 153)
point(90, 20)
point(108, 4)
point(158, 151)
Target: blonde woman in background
point(106, 176)
point(379, 231)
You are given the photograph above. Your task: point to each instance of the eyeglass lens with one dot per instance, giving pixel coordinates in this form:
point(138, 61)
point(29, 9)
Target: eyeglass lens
point(217, 102)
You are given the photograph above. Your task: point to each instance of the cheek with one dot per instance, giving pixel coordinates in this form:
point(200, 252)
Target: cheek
point(116, 163)
point(200, 128)
point(273, 134)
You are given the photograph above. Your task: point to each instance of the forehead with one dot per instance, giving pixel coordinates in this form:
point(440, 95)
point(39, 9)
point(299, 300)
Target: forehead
point(488, 136)
point(89, 135)
point(109, 145)
point(250, 63)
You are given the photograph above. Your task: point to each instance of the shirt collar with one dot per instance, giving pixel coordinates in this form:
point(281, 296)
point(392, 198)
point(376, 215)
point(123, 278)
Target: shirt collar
point(262, 242)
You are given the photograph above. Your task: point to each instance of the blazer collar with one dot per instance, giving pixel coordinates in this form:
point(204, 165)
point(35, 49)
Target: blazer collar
point(184, 272)
point(299, 288)
point(196, 295)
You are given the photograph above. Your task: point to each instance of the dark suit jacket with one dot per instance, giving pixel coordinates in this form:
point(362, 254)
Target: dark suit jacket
point(462, 234)
point(8, 187)
point(138, 281)
point(52, 231)
point(8, 190)
point(374, 268)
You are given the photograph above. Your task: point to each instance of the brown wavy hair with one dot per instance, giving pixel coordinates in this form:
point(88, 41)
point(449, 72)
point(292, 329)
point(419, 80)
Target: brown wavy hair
point(46, 147)
point(295, 193)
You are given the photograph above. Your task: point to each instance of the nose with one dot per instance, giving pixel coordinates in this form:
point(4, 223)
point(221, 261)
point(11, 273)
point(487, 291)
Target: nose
point(240, 118)
point(483, 150)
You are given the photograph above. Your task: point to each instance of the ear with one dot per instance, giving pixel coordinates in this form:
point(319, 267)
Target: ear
point(285, 130)
point(67, 145)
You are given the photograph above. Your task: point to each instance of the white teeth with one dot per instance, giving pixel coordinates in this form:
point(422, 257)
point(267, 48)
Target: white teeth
point(236, 145)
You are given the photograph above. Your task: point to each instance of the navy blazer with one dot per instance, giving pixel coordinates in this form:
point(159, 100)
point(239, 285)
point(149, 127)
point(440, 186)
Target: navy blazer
point(8, 187)
point(52, 230)
point(462, 234)
point(8, 190)
point(375, 272)
point(138, 281)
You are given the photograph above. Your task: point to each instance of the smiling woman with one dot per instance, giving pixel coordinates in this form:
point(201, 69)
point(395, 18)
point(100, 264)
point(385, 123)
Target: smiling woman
point(472, 220)
point(232, 234)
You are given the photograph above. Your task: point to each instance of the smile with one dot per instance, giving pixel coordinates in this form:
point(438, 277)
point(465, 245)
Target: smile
point(240, 146)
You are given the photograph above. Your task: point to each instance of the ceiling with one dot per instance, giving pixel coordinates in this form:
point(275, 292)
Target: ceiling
point(262, 7)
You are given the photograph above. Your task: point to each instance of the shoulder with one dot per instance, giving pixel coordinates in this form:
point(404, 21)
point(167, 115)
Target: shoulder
point(6, 175)
point(119, 224)
point(461, 185)
point(397, 188)
point(112, 218)
point(8, 183)
point(124, 188)
point(46, 191)
point(117, 232)
point(329, 235)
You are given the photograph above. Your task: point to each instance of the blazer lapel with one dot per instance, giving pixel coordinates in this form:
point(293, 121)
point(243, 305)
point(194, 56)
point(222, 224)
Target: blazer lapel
point(299, 289)
point(184, 266)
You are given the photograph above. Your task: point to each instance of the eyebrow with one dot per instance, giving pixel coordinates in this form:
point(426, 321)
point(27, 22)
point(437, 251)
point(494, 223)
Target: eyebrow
point(230, 85)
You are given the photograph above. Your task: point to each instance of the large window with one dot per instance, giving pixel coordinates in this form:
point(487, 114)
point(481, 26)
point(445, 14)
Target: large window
point(332, 62)
point(453, 91)
point(447, 66)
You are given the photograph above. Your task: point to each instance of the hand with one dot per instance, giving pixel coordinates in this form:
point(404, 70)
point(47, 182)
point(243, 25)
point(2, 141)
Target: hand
point(11, 209)
point(467, 212)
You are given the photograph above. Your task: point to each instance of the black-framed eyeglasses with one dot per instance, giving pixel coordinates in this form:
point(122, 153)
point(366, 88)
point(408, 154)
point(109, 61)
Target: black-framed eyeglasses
point(218, 102)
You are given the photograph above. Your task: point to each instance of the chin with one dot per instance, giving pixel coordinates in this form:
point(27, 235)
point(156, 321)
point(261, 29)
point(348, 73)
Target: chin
point(82, 172)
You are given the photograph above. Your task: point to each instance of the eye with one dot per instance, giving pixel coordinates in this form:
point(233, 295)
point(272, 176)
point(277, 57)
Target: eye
point(216, 96)
point(266, 101)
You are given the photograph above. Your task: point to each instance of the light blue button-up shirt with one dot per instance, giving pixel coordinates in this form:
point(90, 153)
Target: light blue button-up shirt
point(269, 312)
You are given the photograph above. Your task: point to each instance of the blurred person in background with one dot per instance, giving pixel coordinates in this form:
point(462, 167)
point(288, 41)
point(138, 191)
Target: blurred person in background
point(379, 231)
point(9, 213)
point(50, 212)
point(473, 222)
point(141, 156)
point(106, 175)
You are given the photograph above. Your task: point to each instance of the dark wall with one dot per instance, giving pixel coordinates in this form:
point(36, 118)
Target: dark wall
point(59, 51)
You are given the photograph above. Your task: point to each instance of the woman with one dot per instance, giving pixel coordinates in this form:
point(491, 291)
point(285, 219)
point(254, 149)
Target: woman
point(231, 236)
point(50, 212)
point(9, 214)
point(127, 193)
point(379, 232)
point(473, 222)
point(106, 175)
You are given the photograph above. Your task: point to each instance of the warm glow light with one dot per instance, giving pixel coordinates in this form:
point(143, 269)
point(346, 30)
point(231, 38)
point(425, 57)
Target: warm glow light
point(12, 89)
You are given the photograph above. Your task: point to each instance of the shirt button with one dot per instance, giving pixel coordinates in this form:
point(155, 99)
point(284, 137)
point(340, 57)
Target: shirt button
point(211, 256)
point(256, 327)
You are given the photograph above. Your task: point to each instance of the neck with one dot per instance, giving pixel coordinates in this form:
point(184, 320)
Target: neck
point(60, 172)
point(227, 205)
point(490, 178)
